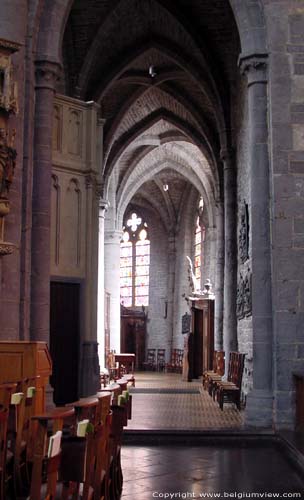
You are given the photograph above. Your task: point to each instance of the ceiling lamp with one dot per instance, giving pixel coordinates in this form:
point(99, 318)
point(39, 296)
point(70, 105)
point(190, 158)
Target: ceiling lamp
point(165, 187)
point(152, 71)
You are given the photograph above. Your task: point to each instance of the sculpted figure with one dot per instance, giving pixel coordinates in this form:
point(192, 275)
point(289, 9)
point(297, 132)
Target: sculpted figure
point(191, 275)
point(7, 164)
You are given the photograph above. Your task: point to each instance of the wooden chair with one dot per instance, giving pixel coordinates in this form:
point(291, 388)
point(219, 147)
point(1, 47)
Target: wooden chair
point(161, 360)
point(218, 369)
point(43, 459)
point(150, 363)
point(214, 379)
point(171, 366)
point(230, 391)
point(179, 361)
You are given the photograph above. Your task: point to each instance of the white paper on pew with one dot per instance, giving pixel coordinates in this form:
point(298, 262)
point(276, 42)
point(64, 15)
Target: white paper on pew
point(30, 392)
point(82, 428)
point(54, 444)
point(16, 398)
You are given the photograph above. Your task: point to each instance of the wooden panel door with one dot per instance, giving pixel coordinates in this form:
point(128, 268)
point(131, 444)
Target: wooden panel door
point(64, 340)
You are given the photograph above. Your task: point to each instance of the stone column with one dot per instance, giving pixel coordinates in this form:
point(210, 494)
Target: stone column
point(171, 294)
point(230, 265)
point(103, 205)
point(112, 283)
point(260, 400)
point(46, 76)
point(219, 278)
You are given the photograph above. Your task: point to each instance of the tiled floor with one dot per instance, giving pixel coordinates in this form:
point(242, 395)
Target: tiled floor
point(195, 472)
point(177, 407)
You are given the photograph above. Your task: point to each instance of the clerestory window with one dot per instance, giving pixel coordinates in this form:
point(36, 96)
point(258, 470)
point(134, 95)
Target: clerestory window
point(134, 263)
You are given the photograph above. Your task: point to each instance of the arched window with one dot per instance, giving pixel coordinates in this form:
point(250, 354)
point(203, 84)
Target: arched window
point(199, 244)
point(134, 263)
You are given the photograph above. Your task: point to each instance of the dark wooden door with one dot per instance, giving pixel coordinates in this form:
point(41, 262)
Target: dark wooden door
point(201, 341)
point(198, 342)
point(133, 334)
point(64, 340)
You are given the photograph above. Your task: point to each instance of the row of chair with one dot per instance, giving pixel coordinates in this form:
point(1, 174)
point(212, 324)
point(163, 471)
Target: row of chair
point(156, 360)
point(221, 389)
point(66, 452)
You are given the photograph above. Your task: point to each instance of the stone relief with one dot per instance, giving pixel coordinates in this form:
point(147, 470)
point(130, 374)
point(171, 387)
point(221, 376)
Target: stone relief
point(244, 234)
point(244, 295)
point(8, 154)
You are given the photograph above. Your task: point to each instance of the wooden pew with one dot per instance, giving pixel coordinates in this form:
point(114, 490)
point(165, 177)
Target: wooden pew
point(103, 458)
point(55, 419)
point(6, 457)
point(80, 470)
point(3, 444)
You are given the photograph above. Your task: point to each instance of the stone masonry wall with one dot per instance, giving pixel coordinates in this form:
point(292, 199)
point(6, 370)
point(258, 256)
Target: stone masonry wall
point(158, 334)
point(285, 25)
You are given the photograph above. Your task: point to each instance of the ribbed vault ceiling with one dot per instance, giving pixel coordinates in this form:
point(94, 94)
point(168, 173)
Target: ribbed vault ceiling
point(169, 127)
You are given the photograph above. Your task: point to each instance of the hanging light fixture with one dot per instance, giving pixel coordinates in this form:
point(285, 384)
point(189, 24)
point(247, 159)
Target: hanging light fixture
point(165, 187)
point(152, 71)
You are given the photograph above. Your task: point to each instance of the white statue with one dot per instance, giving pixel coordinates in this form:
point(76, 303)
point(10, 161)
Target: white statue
point(191, 276)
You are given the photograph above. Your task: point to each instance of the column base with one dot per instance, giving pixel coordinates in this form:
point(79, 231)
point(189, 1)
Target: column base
point(90, 371)
point(259, 409)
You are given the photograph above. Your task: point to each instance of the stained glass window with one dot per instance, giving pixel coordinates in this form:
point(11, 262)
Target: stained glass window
point(198, 249)
point(134, 263)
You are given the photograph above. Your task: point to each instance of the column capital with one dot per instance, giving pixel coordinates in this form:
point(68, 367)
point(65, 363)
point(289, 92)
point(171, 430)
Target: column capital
point(47, 74)
point(254, 66)
point(103, 204)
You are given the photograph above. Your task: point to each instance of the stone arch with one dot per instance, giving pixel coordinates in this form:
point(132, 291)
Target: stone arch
point(126, 196)
point(127, 138)
point(249, 17)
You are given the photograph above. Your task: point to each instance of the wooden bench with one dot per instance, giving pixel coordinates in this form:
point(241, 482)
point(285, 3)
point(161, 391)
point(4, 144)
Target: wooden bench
point(230, 391)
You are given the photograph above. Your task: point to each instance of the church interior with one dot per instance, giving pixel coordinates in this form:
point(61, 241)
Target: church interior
point(151, 249)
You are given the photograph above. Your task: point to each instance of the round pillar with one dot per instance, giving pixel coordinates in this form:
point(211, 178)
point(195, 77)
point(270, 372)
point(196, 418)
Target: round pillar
point(112, 283)
point(260, 400)
point(103, 205)
point(46, 76)
point(230, 265)
point(219, 278)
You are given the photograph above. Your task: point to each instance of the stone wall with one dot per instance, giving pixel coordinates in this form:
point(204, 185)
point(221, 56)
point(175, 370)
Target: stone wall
point(285, 25)
point(159, 329)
